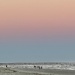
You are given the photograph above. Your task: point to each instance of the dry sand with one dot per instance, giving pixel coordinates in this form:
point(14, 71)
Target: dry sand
point(17, 71)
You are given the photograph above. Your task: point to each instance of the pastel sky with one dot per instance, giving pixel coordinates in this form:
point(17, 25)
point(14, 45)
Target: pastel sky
point(37, 30)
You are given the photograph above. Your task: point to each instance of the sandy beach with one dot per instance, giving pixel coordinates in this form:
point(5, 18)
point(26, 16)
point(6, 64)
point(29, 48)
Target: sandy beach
point(37, 69)
point(18, 71)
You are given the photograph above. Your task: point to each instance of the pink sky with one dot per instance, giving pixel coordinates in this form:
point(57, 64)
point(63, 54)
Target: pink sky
point(37, 18)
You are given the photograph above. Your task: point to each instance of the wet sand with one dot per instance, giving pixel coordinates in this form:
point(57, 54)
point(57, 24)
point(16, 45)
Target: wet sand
point(17, 71)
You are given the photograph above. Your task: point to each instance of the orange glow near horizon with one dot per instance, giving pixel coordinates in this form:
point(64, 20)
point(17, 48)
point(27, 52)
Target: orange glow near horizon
point(37, 17)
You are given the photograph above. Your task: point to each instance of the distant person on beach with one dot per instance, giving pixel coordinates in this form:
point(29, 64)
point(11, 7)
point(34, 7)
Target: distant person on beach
point(6, 66)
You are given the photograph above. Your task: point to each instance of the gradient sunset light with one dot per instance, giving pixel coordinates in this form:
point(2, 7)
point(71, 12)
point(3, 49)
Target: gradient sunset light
point(33, 22)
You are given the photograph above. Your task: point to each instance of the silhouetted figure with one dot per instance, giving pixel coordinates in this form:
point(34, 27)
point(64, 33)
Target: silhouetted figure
point(6, 66)
point(34, 66)
point(41, 67)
